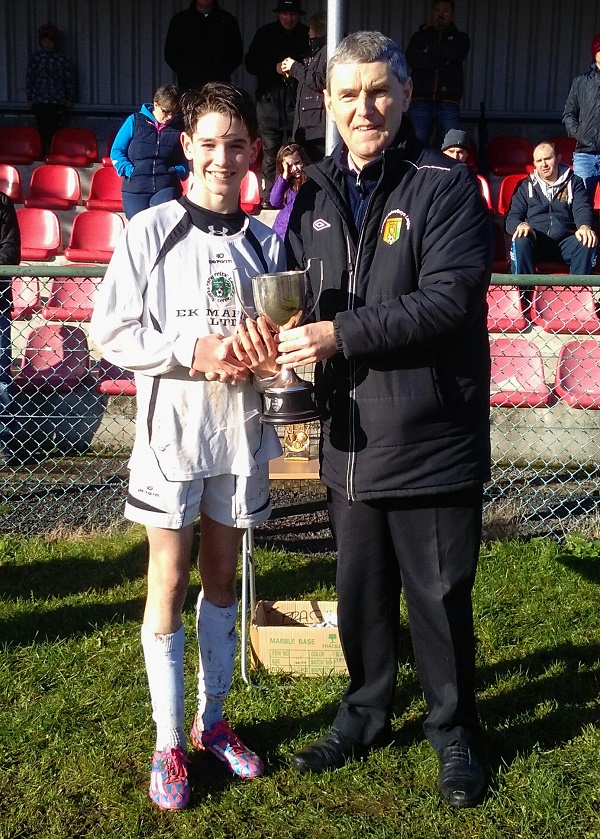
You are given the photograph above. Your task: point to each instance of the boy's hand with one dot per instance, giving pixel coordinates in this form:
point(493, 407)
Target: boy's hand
point(254, 346)
point(212, 357)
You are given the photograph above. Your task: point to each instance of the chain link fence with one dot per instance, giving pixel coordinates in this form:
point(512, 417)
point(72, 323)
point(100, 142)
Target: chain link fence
point(67, 419)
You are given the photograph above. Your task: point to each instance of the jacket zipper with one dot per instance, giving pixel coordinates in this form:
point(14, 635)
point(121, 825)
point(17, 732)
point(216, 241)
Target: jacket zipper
point(351, 469)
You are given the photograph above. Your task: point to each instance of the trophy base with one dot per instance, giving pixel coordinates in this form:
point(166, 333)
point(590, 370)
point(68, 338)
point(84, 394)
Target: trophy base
point(290, 405)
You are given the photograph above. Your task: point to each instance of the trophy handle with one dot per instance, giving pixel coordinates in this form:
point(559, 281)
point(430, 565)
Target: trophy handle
point(238, 287)
point(316, 297)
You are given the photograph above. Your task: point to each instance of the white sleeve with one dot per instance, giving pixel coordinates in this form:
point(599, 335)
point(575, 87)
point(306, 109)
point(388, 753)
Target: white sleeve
point(122, 327)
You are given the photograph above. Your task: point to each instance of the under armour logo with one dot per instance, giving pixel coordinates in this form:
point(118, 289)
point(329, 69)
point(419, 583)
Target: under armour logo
point(321, 224)
point(217, 232)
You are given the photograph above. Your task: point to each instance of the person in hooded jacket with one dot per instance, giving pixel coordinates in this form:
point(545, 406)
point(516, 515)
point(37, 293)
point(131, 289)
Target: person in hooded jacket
point(203, 44)
point(581, 118)
point(550, 217)
point(402, 379)
point(148, 155)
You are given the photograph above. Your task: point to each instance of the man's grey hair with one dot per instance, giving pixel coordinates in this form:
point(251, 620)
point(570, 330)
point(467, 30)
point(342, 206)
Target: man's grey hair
point(367, 48)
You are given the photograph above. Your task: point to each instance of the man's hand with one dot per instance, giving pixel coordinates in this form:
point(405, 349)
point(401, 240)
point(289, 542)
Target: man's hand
point(287, 64)
point(213, 358)
point(254, 346)
point(306, 344)
point(523, 229)
point(586, 236)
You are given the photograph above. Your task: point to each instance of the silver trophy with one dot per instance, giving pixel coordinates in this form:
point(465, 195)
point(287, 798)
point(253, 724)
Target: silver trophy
point(282, 299)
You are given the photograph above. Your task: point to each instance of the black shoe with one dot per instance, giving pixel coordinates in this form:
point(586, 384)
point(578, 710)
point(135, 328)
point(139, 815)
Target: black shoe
point(461, 781)
point(265, 204)
point(330, 752)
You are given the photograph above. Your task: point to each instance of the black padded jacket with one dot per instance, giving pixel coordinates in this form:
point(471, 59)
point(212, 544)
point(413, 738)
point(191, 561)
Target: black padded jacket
point(581, 115)
point(406, 403)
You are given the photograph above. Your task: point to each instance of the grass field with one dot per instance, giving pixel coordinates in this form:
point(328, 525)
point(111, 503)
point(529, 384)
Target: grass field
point(76, 734)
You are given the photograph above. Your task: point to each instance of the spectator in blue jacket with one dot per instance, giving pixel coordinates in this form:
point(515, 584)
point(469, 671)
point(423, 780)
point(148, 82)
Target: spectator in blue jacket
point(550, 217)
point(148, 155)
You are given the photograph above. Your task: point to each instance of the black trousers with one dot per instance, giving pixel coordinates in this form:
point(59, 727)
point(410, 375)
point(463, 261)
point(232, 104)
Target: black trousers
point(429, 547)
point(49, 118)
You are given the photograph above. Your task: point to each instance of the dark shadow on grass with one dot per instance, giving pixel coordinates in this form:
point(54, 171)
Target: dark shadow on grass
point(572, 694)
point(291, 582)
point(63, 577)
point(587, 567)
point(66, 622)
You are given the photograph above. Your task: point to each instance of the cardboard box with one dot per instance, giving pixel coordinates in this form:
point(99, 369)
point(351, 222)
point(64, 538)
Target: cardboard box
point(284, 640)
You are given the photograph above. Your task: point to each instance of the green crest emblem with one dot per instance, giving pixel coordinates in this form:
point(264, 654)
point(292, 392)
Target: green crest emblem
point(220, 287)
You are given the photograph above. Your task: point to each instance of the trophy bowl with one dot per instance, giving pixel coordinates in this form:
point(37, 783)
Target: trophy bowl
point(282, 298)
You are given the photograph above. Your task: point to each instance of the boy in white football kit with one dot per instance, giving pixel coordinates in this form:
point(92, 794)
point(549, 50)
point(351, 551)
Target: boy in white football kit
point(167, 310)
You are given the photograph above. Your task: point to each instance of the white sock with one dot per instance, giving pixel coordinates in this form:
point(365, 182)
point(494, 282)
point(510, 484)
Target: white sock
point(217, 643)
point(164, 666)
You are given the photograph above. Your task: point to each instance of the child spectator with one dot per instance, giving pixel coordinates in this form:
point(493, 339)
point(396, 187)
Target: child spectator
point(49, 85)
point(167, 310)
point(289, 165)
point(148, 155)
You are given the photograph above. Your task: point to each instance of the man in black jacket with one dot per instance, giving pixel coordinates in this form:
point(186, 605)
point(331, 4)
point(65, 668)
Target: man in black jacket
point(550, 217)
point(402, 359)
point(10, 254)
point(203, 44)
point(435, 55)
point(581, 117)
point(286, 37)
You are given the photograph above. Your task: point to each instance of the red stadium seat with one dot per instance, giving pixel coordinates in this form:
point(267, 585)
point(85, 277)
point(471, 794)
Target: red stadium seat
point(597, 197)
point(55, 359)
point(105, 190)
point(578, 374)
point(71, 298)
point(40, 233)
point(20, 144)
point(54, 188)
point(565, 310)
point(510, 155)
point(114, 380)
point(505, 310)
point(565, 147)
point(507, 187)
point(94, 235)
point(73, 147)
point(106, 160)
point(517, 379)
point(250, 193)
point(485, 191)
point(25, 297)
point(10, 182)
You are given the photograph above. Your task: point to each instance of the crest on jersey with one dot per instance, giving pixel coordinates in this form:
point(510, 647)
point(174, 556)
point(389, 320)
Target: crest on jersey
point(220, 288)
point(393, 226)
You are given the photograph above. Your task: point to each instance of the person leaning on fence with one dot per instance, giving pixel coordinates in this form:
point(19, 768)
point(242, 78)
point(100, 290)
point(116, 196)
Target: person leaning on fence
point(167, 310)
point(10, 254)
point(147, 153)
point(403, 374)
point(550, 217)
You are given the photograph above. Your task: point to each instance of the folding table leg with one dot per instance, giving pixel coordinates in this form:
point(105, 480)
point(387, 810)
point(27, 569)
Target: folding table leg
point(248, 599)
